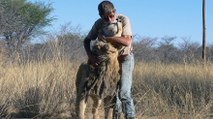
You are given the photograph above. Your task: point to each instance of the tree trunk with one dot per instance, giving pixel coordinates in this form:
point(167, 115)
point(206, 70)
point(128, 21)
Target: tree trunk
point(204, 32)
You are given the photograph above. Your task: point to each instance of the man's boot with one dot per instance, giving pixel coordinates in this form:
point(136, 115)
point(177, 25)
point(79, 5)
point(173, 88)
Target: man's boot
point(116, 115)
point(130, 118)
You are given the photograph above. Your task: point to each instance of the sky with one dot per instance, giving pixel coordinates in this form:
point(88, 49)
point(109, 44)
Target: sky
point(149, 18)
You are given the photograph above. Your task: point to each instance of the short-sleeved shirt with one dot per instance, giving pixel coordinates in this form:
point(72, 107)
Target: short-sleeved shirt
point(126, 30)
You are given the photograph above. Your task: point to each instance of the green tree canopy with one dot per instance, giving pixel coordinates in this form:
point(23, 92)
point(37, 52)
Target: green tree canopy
point(20, 20)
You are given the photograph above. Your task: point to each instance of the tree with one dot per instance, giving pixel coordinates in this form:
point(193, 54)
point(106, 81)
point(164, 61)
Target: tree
point(144, 49)
point(20, 20)
point(167, 52)
point(188, 50)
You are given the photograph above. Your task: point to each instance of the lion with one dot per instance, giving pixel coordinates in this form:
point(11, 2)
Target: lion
point(99, 83)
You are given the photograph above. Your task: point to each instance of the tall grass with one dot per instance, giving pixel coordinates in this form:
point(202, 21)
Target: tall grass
point(182, 91)
point(37, 89)
point(46, 88)
point(43, 87)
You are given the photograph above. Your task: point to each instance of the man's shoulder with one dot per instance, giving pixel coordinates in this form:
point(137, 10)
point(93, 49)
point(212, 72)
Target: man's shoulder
point(98, 22)
point(95, 29)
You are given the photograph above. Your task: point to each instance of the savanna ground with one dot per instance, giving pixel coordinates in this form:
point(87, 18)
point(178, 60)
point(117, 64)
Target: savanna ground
point(39, 82)
point(46, 89)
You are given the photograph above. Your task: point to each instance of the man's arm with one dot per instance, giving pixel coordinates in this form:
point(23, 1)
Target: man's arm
point(87, 46)
point(124, 40)
point(92, 59)
point(93, 34)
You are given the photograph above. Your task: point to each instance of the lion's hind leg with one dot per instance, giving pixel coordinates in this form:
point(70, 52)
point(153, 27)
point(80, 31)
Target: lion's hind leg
point(81, 99)
point(81, 77)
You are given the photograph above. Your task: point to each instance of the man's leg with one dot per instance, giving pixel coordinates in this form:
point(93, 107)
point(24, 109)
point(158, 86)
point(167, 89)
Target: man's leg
point(125, 86)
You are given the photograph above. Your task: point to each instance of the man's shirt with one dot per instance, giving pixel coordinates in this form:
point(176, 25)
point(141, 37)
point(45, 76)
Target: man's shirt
point(126, 30)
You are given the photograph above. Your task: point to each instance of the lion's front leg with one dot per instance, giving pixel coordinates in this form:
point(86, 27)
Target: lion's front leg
point(80, 108)
point(108, 107)
point(108, 113)
point(96, 106)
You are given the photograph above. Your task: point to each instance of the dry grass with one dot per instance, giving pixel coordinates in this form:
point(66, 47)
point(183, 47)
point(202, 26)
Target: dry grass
point(37, 89)
point(177, 91)
point(46, 89)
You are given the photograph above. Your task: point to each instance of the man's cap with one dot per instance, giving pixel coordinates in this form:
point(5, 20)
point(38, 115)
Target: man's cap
point(105, 7)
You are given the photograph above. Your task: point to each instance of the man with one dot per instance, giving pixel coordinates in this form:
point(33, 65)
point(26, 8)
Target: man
point(108, 15)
